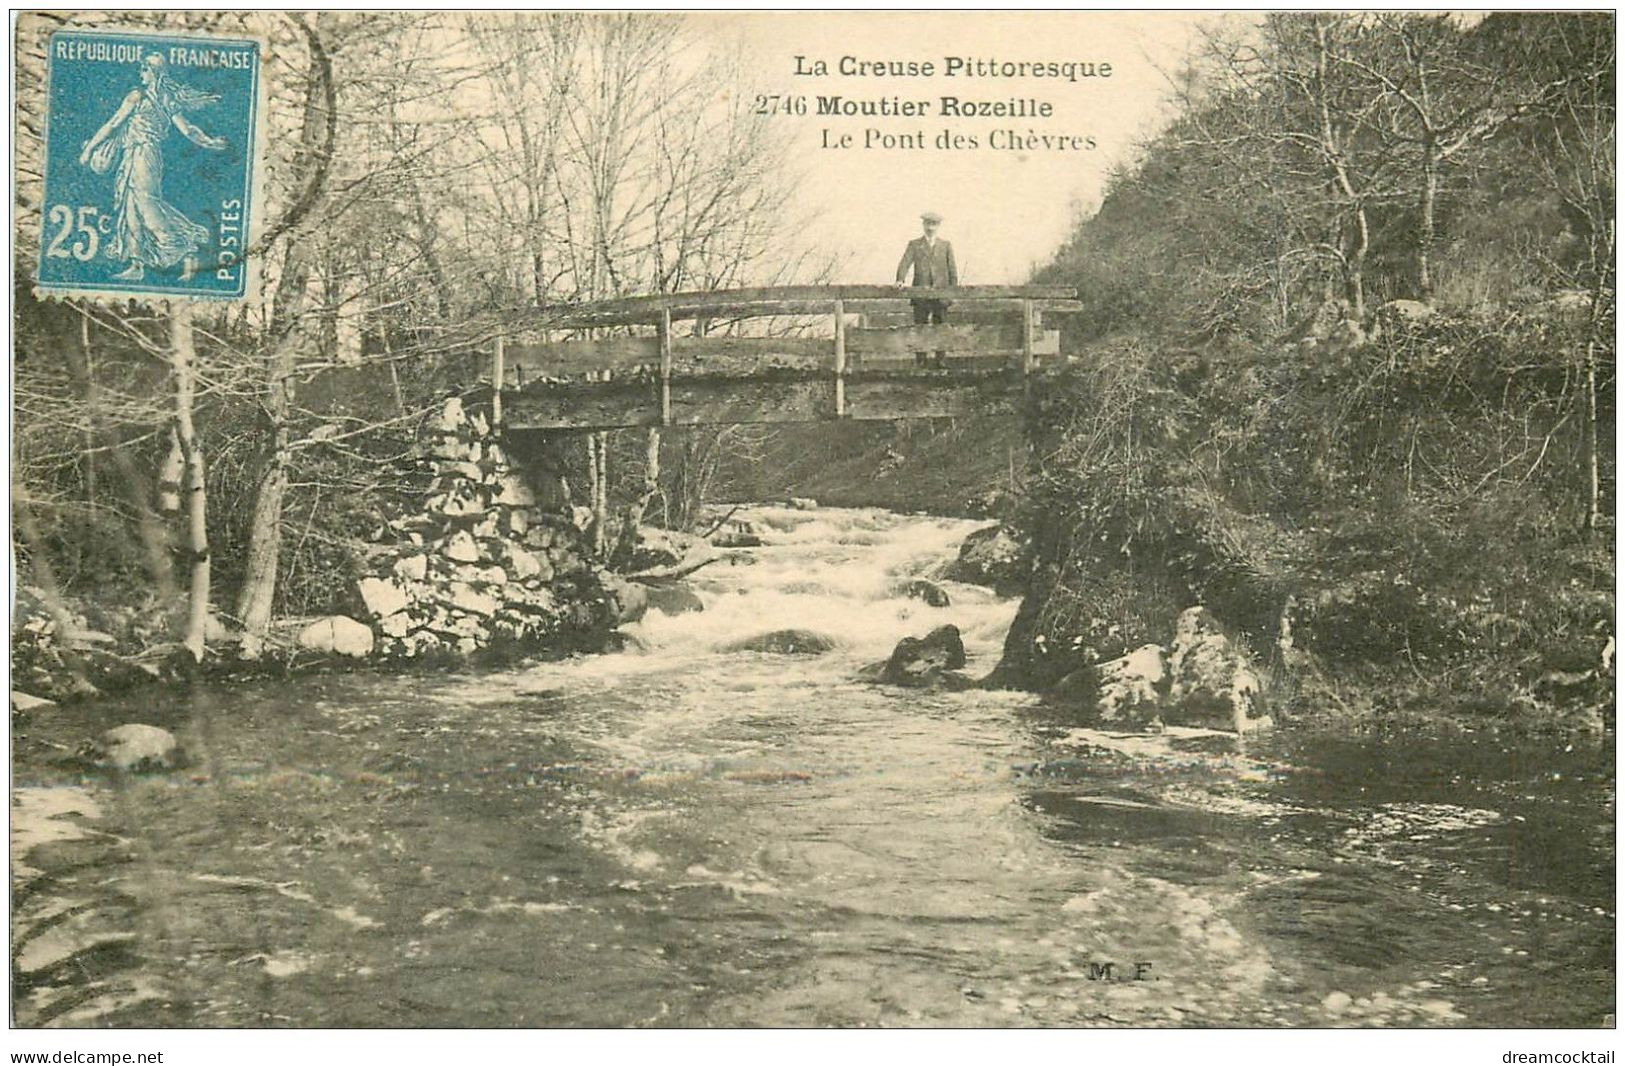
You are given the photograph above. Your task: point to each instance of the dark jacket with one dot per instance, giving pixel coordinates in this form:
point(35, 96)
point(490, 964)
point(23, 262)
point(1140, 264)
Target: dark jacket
point(933, 264)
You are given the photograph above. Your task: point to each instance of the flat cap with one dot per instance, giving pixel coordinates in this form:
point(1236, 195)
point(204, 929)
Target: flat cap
point(930, 216)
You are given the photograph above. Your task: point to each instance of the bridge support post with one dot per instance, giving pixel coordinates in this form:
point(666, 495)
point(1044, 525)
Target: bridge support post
point(1029, 397)
point(498, 372)
point(840, 359)
point(1028, 360)
point(665, 367)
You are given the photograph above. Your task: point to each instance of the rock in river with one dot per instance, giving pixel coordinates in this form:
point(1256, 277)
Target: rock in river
point(628, 600)
point(1214, 683)
point(997, 557)
point(928, 592)
point(1128, 691)
point(674, 599)
point(136, 747)
point(924, 662)
point(785, 642)
point(656, 548)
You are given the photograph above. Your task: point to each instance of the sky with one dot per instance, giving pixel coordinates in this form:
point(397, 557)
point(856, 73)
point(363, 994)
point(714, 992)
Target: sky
point(1005, 211)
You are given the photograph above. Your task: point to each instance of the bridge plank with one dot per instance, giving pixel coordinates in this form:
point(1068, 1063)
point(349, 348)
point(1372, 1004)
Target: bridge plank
point(529, 361)
point(847, 293)
point(745, 355)
point(982, 313)
point(954, 338)
point(943, 395)
point(977, 311)
point(779, 398)
point(796, 300)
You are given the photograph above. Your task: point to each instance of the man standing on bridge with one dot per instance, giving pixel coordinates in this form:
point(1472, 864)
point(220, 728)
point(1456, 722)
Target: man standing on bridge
point(933, 262)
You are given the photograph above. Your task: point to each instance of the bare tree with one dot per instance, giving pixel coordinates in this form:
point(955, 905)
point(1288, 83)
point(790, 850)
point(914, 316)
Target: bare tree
point(1444, 101)
point(1583, 173)
point(1286, 106)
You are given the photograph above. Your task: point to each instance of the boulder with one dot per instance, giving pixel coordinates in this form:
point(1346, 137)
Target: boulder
point(338, 635)
point(785, 642)
point(514, 492)
point(1212, 679)
point(136, 747)
point(463, 626)
point(460, 548)
point(1130, 690)
point(396, 625)
point(928, 592)
point(625, 642)
point(466, 598)
point(383, 598)
point(673, 599)
point(664, 547)
point(737, 533)
point(924, 662)
point(1404, 311)
point(22, 702)
point(523, 563)
point(997, 557)
point(109, 672)
point(412, 567)
point(628, 600)
point(490, 575)
point(451, 416)
point(803, 503)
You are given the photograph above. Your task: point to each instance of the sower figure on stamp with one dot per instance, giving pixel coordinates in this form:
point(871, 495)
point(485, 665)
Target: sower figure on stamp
point(932, 260)
point(147, 230)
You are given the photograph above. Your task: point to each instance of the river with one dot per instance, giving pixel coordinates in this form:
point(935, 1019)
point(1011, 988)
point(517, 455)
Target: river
point(677, 835)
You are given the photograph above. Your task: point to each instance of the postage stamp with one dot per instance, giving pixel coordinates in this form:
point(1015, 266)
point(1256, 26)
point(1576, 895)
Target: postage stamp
point(150, 151)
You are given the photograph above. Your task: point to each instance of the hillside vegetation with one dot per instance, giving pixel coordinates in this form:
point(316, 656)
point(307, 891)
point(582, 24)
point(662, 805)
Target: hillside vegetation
point(1348, 374)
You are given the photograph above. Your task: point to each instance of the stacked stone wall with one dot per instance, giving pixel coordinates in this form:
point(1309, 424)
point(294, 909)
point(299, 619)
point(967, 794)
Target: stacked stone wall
point(482, 565)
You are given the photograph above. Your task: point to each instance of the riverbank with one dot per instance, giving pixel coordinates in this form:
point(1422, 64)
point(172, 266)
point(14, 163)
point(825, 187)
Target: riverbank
point(1296, 687)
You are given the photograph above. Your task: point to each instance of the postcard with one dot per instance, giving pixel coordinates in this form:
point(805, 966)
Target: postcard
point(810, 520)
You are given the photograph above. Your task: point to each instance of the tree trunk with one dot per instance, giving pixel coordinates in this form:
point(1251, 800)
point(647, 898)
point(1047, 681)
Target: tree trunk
point(1425, 221)
point(258, 593)
point(91, 405)
point(1354, 272)
point(1593, 515)
point(183, 355)
point(50, 592)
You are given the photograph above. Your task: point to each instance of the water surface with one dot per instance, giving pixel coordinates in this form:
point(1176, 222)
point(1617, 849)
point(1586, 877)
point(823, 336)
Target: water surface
point(682, 836)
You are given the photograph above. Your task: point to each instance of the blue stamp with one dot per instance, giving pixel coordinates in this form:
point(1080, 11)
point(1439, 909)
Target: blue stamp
point(150, 153)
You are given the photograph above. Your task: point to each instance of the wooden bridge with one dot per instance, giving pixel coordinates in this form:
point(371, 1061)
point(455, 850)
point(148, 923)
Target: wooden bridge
point(811, 353)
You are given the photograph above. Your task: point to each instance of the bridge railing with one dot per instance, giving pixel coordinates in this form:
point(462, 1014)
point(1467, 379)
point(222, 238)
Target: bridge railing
point(992, 327)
